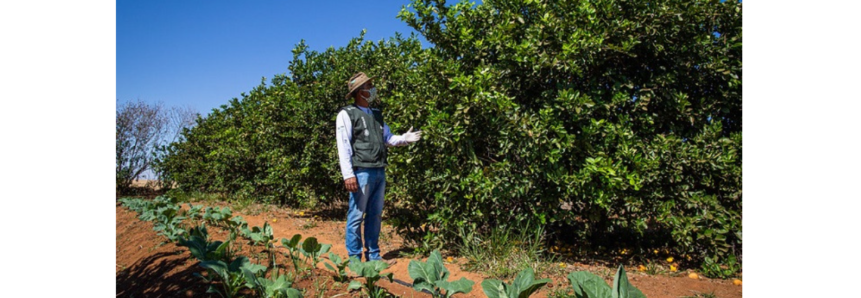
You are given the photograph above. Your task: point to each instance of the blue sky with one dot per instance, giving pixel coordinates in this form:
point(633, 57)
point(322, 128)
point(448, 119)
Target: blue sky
point(203, 53)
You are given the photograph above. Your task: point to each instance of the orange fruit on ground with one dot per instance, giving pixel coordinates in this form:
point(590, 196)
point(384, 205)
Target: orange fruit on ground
point(693, 275)
point(736, 282)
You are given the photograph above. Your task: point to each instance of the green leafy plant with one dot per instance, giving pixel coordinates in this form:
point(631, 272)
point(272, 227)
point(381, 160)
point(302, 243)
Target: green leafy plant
point(232, 276)
point(216, 216)
point(195, 212)
point(278, 286)
point(294, 250)
point(237, 222)
point(588, 285)
point(523, 286)
point(162, 210)
point(313, 250)
point(370, 271)
point(432, 276)
point(162, 201)
point(225, 214)
point(235, 225)
point(339, 266)
point(147, 214)
point(155, 206)
point(201, 248)
point(136, 204)
point(257, 235)
point(168, 222)
point(146, 210)
point(712, 268)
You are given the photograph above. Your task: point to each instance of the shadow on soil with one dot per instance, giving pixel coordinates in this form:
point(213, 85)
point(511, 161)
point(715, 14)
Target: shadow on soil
point(398, 253)
point(154, 277)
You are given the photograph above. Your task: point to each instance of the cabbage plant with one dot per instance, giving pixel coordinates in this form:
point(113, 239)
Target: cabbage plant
point(588, 285)
point(278, 286)
point(313, 249)
point(370, 271)
point(340, 266)
point(201, 248)
point(231, 275)
point(432, 276)
point(523, 286)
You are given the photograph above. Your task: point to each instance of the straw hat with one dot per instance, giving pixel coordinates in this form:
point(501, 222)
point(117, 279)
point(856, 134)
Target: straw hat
point(355, 82)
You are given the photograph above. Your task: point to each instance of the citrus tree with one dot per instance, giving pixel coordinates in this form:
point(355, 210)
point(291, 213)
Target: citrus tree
point(590, 116)
point(595, 119)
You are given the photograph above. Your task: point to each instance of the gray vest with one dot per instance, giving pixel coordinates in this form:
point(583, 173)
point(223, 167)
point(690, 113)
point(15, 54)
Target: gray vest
point(369, 146)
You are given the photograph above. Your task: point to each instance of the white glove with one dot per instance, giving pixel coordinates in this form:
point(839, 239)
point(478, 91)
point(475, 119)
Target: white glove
point(411, 136)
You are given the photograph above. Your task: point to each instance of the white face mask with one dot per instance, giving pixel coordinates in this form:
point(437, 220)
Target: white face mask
point(372, 97)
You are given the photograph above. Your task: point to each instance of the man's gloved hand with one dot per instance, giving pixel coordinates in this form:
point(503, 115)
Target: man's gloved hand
point(351, 184)
point(412, 137)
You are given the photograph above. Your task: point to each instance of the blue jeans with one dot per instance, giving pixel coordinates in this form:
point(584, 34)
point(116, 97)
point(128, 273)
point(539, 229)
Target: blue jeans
point(367, 202)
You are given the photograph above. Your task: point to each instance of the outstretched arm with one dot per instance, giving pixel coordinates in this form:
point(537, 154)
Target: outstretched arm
point(401, 140)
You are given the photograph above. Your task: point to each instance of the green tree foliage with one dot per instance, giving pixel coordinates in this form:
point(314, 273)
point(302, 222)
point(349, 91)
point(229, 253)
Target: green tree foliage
point(277, 142)
point(626, 112)
point(590, 117)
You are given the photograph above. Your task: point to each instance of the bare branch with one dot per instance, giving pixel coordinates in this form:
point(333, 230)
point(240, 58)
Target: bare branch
point(142, 129)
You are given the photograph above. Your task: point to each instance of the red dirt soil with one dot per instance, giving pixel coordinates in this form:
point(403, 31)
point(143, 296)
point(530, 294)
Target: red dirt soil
point(148, 265)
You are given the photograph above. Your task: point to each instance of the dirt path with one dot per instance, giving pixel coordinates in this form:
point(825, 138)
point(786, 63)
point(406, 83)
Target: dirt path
point(147, 266)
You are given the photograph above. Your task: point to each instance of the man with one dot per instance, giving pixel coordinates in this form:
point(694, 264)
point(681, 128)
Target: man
point(362, 137)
